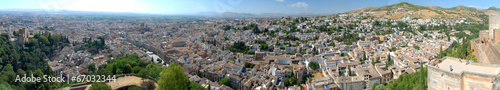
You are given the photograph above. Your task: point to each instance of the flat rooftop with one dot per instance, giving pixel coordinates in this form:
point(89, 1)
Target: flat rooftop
point(459, 67)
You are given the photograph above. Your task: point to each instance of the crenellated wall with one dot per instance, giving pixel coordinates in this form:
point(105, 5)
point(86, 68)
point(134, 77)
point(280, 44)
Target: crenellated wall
point(444, 79)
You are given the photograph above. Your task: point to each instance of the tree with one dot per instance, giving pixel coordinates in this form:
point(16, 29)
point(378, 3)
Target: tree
point(349, 71)
point(134, 88)
point(315, 51)
point(127, 69)
point(226, 27)
point(249, 65)
point(376, 23)
point(195, 86)
point(239, 47)
point(373, 62)
point(313, 65)
point(32, 42)
point(289, 81)
point(144, 74)
point(416, 47)
point(286, 81)
point(136, 69)
point(155, 70)
point(415, 81)
point(389, 60)
point(264, 47)
point(100, 86)
point(441, 54)
point(251, 52)
point(91, 67)
point(105, 72)
point(4, 87)
point(386, 66)
point(20, 72)
point(173, 78)
point(158, 60)
point(27, 59)
point(44, 40)
point(15, 33)
point(378, 86)
point(225, 81)
point(118, 71)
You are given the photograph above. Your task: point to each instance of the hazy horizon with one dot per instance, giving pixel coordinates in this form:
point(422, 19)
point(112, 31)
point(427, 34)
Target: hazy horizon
point(190, 7)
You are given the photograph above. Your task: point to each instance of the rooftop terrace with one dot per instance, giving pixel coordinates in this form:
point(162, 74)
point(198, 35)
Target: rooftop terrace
point(458, 66)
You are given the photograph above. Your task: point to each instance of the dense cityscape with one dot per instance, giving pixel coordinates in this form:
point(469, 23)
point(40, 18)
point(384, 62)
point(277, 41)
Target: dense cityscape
point(399, 46)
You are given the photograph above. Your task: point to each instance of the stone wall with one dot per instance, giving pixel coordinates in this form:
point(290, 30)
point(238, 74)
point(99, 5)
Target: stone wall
point(442, 80)
point(473, 46)
point(475, 81)
point(356, 85)
point(372, 81)
point(484, 34)
point(497, 35)
point(496, 83)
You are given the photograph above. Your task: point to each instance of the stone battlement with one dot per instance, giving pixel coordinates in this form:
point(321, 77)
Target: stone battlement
point(461, 75)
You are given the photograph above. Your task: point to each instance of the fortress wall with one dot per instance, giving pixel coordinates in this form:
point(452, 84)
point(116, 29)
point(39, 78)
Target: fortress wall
point(484, 34)
point(485, 65)
point(476, 81)
point(442, 80)
point(373, 81)
point(353, 85)
point(474, 47)
point(445, 80)
point(497, 35)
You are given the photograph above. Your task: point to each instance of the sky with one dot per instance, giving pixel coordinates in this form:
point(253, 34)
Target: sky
point(182, 7)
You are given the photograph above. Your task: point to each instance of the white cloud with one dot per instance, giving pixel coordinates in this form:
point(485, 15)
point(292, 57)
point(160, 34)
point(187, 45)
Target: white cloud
point(280, 0)
point(299, 4)
point(478, 7)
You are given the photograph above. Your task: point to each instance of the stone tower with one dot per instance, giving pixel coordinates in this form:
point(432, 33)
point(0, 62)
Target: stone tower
point(23, 36)
point(494, 26)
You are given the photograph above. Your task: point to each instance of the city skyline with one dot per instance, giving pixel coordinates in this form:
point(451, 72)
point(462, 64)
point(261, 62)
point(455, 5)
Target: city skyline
point(190, 7)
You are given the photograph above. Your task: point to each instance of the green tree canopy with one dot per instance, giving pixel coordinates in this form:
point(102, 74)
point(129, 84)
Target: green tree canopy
point(173, 78)
point(44, 40)
point(100, 86)
point(134, 88)
point(195, 86)
point(91, 67)
point(225, 81)
point(313, 65)
point(144, 74)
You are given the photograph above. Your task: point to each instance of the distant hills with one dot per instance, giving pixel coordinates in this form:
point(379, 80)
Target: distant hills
point(208, 13)
point(233, 14)
point(395, 11)
point(405, 9)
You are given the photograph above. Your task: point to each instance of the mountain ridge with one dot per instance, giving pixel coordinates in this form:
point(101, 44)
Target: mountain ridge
point(405, 9)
